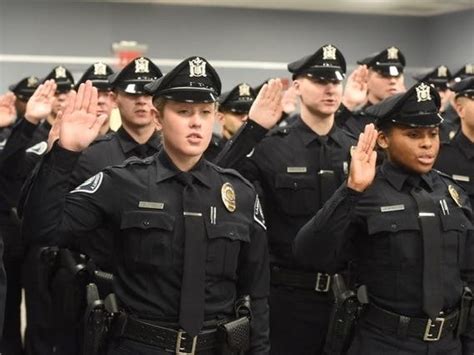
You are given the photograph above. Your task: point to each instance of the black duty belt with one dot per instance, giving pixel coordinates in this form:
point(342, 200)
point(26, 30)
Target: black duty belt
point(168, 339)
point(421, 328)
point(317, 281)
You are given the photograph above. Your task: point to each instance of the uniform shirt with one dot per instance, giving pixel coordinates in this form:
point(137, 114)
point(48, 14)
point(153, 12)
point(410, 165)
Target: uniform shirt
point(149, 236)
point(112, 149)
point(215, 146)
point(381, 229)
point(456, 158)
point(353, 122)
point(286, 165)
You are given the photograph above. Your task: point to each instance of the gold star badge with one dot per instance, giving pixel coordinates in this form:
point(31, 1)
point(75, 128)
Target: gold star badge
point(329, 52)
point(423, 93)
point(141, 65)
point(32, 82)
point(197, 68)
point(455, 195)
point(442, 71)
point(244, 90)
point(392, 53)
point(469, 69)
point(228, 197)
point(100, 69)
point(60, 72)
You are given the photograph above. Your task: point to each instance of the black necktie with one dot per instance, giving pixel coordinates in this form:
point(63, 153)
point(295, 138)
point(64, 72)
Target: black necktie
point(191, 314)
point(141, 151)
point(432, 249)
point(327, 183)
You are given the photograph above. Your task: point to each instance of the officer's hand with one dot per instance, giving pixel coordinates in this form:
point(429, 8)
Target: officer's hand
point(79, 124)
point(7, 109)
point(355, 91)
point(53, 135)
point(362, 170)
point(40, 105)
point(266, 110)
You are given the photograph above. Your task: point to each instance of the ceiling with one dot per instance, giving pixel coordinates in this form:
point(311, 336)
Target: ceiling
point(381, 7)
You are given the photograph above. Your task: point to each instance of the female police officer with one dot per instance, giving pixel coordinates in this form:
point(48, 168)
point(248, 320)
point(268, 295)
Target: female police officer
point(410, 232)
point(189, 236)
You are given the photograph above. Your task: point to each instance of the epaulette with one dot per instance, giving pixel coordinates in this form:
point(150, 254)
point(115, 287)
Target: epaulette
point(279, 131)
point(231, 172)
point(135, 161)
point(444, 175)
point(349, 134)
point(105, 138)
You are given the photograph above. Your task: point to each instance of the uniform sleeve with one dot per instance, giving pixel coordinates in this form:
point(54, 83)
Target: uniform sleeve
point(52, 213)
point(254, 280)
point(322, 241)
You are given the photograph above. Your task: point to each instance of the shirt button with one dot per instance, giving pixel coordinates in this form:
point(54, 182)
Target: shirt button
point(146, 223)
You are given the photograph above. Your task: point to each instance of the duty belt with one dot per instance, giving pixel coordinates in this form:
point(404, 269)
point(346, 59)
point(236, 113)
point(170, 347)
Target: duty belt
point(317, 281)
point(168, 339)
point(421, 328)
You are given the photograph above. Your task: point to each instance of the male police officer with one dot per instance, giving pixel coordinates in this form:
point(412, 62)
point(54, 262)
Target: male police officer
point(408, 228)
point(456, 157)
point(298, 167)
point(190, 236)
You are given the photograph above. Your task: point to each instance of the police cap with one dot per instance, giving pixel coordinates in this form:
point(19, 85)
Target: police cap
point(135, 75)
point(238, 100)
point(439, 77)
point(389, 62)
point(418, 107)
point(192, 80)
point(25, 88)
point(98, 74)
point(63, 78)
point(327, 63)
point(465, 72)
point(464, 87)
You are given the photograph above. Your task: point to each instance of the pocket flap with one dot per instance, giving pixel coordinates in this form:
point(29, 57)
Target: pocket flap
point(391, 223)
point(295, 182)
point(146, 220)
point(230, 230)
point(456, 221)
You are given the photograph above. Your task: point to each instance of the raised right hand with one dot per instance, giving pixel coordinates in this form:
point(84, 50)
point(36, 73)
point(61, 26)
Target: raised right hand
point(364, 157)
point(79, 124)
point(7, 109)
point(40, 105)
point(355, 91)
point(266, 110)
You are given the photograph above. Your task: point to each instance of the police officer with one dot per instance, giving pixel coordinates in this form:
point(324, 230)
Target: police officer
point(298, 167)
point(410, 231)
point(456, 157)
point(189, 236)
point(378, 77)
point(23, 90)
point(26, 144)
point(439, 78)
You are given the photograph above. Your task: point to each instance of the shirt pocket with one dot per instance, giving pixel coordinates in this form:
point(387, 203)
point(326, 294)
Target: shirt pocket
point(395, 239)
point(296, 195)
point(224, 242)
point(147, 238)
point(455, 229)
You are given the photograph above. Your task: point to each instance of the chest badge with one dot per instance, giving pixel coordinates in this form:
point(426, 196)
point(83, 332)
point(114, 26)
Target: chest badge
point(455, 195)
point(228, 196)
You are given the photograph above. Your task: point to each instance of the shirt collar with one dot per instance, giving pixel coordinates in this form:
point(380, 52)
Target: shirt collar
point(165, 169)
point(128, 143)
point(308, 135)
point(397, 176)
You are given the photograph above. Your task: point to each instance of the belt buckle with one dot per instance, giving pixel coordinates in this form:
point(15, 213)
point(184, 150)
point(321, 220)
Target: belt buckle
point(179, 350)
point(431, 326)
point(323, 281)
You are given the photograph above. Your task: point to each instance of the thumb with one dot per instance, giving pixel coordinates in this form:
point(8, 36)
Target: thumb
point(99, 122)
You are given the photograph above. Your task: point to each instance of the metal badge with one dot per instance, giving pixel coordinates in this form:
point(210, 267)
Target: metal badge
point(442, 71)
point(455, 195)
point(228, 196)
point(392, 53)
point(296, 169)
point(197, 68)
point(451, 134)
point(100, 69)
point(60, 72)
point(469, 69)
point(329, 52)
point(151, 205)
point(32, 81)
point(423, 93)
point(141, 65)
point(244, 90)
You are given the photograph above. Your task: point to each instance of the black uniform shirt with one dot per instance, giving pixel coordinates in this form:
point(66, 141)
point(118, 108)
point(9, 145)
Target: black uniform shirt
point(141, 201)
point(456, 158)
point(287, 166)
point(381, 228)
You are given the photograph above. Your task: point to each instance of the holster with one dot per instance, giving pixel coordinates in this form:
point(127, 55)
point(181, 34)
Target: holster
point(235, 334)
point(465, 311)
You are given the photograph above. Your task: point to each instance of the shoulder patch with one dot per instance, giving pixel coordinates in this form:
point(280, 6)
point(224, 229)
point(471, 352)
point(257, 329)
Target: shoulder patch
point(258, 213)
point(39, 148)
point(2, 143)
point(104, 138)
point(91, 185)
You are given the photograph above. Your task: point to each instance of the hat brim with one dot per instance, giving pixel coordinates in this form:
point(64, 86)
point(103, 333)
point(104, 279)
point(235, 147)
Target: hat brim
point(133, 87)
point(187, 94)
point(237, 107)
point(389, 69)
point(63, 87)
point(422, 120)
point(324, 73)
